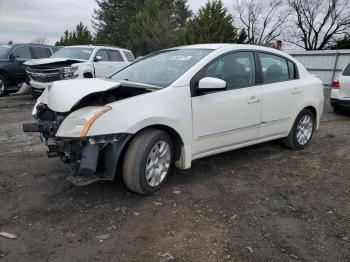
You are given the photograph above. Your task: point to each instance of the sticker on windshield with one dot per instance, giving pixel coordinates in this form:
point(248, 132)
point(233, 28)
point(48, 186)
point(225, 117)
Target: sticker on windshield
point(87, 51)
point(181, 57)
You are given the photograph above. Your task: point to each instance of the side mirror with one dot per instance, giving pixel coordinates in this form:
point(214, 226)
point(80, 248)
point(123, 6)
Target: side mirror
point(98, 58)
point(12, 57)
point(211, 84)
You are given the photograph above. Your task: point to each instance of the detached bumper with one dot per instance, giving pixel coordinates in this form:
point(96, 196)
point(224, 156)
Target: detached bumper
point(340, 104)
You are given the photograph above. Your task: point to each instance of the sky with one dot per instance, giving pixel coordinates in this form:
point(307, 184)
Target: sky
point(25, 20)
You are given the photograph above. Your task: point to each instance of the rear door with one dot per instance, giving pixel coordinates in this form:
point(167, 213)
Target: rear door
point(117, 60)
point(282, 94)
point(344, 81)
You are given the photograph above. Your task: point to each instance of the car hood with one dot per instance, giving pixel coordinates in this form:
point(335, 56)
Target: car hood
point(62, 96)
point(46, 61)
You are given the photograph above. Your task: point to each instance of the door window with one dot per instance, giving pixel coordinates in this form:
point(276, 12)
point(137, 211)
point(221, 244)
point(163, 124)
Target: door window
point(22, 53)
point(237, 69)
point(129, 56)
point(115, 56)
point(274, 68)
point(41, 52)
point(103, 54)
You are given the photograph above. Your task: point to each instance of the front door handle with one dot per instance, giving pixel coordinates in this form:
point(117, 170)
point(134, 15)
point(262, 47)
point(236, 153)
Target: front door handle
point(253, 100)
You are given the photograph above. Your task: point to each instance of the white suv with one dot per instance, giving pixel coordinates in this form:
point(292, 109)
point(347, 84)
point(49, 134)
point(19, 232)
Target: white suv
point(340, 94)
point(86, 61)
point(177, 105)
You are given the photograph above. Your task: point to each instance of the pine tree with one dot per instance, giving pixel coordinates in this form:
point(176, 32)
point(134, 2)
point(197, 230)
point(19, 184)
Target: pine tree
point(112, 20)
point(212, 24)
point(80, 36)
point(343, 43)
point(158, 24)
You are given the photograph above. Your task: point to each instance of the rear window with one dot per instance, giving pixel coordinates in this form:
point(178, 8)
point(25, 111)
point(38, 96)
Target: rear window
point(346, 71)
point(41, 52)
point(115, 56)
point(129, 56)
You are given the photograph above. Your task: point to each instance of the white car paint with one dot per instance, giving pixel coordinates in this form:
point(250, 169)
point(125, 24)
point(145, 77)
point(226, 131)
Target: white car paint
point(207, 124)
point(97, 69)
point(340, 94)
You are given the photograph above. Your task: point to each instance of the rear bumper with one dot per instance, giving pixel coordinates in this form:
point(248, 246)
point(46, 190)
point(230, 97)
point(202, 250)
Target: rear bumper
point(340, 104)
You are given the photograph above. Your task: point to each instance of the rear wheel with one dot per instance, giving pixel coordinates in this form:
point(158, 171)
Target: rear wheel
point(3, 86)
point(148, 161)
point(302, 130)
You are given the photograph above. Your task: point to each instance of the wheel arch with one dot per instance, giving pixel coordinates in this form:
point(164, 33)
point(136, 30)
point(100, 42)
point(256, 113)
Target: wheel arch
point(175, 137)
point(88, 74)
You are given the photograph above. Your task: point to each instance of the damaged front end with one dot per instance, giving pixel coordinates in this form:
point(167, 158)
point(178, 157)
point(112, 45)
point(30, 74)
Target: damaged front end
point(86, 159)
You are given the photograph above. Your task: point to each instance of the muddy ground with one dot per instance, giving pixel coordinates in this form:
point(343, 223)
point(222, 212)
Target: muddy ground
point(262, 203)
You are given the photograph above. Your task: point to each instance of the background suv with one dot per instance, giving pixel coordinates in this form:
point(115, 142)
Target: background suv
point(340, 95)
point(84, 61)
point(12, 57)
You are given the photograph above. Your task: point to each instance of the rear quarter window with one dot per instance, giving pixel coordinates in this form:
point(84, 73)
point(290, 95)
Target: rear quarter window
point(346, 71)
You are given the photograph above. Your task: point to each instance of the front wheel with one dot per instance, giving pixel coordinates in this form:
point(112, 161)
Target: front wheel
point(302, 130)
point(3, 86)
point(148, 161)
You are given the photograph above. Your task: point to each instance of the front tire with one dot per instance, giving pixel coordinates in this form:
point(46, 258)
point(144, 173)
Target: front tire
point(302, 131)
point(3, 86)
point(148, 161)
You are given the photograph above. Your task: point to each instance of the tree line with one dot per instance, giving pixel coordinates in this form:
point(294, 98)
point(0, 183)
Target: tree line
point(145, 26)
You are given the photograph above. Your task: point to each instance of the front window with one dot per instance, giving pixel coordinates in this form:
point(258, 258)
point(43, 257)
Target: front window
point(4, 50)
point(81, 53)
point(162, 68)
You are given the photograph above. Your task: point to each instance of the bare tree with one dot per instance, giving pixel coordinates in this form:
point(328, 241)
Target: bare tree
point(262, 21)
point(318, 22)
point(40, 40)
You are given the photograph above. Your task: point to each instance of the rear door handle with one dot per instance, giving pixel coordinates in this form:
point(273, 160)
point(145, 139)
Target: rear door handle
point(253, 100)
point(295, 91)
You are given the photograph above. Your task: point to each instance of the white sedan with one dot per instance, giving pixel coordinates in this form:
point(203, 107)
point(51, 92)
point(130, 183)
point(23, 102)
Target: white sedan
point(175, 106)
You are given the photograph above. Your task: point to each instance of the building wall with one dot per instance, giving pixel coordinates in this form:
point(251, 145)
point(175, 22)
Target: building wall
point(325, 64)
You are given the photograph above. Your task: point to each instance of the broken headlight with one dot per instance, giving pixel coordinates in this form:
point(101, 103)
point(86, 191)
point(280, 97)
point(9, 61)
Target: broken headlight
point(68, 72)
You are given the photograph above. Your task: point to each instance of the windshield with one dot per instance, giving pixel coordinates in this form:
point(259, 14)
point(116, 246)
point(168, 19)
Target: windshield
point(162, 68)
point(82, 53)
point(4, 49)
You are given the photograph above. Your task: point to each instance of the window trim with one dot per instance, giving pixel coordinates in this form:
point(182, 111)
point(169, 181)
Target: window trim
point(199, 75)
point(297, 76)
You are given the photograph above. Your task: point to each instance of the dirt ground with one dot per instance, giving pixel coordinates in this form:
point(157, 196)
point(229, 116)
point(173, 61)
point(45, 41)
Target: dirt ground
point(262, 203)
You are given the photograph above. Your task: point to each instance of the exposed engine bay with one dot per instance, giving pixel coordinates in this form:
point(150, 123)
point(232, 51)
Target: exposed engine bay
point(85, 159)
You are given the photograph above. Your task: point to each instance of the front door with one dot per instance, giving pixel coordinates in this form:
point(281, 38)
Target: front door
point(102, 65)
point(231, 117)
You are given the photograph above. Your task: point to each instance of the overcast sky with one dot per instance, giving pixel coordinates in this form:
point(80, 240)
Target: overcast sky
point(24, 20)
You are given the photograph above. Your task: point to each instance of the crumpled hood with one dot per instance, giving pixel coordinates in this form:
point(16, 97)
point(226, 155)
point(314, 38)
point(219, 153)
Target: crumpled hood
point(62, 96)
point(46, 61)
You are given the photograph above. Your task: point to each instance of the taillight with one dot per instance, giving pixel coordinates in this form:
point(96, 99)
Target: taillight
point(335, 84)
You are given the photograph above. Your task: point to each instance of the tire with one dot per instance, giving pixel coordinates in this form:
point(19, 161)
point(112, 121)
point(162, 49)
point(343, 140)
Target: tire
point(302, 130)
point(144, 152)
point(3, 86)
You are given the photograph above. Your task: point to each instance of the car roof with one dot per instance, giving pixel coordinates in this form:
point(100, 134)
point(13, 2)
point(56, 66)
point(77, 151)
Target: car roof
point(97, 46)
point(233, 47)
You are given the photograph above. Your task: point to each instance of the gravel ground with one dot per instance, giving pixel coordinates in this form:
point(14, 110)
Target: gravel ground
point(262, 203)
